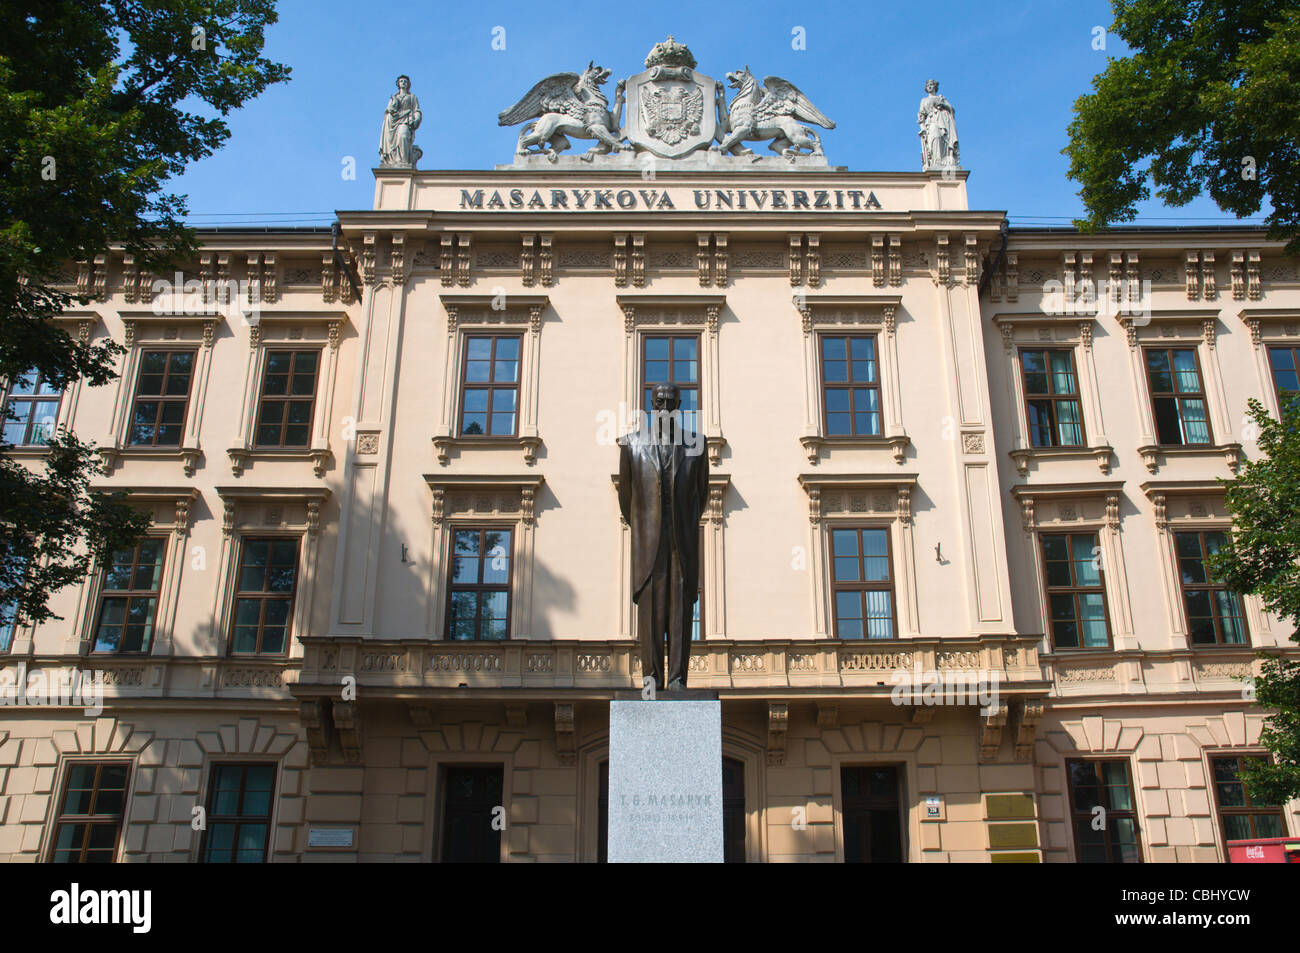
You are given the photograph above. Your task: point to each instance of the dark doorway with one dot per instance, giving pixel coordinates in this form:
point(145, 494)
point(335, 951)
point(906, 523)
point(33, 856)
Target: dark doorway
point(470, 798)
point(871, 808)
point(733, 813)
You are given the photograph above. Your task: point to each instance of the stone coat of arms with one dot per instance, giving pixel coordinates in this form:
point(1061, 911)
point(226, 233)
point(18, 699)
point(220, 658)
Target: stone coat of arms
point(671, 109)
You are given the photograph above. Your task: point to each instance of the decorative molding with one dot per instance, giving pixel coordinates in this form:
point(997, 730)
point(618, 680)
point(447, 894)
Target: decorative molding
point(778, 721)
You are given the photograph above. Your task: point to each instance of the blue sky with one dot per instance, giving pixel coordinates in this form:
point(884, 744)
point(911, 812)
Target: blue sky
point(1011, 68)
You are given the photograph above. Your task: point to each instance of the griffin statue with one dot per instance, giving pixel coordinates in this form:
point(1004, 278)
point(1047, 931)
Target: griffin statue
point(566, 104)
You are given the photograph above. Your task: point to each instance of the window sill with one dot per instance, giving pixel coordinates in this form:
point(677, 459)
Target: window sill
point(240, 457)
point(814, 444)
point(1025, 455)
point(1156, 455)
point(527, 444)
point(112, 457)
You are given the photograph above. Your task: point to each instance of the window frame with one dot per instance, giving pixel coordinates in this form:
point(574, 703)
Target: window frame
point(287, 399)
point(1074, 589)
point(1207, 586)
point(1076, 396)
point(645, 389)
point(862, 585)
point(464, 385)
point(1085, 816)
point(264, 596)
point(1202, 394)
point(102, 593)
point(1294, 350)
point(237, 819)
point(59, 818)
point(850, 384)
point(479, 587)
point(33, 398)
point(163, 399)
point(1249, 809)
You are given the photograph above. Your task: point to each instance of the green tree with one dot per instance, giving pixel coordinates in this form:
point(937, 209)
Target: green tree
point(1262, 557)
point(101, 103)
point(1208, 102)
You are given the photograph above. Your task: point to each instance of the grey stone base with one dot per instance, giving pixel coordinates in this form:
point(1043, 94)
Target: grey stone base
point(627, 160)
point(665, 781)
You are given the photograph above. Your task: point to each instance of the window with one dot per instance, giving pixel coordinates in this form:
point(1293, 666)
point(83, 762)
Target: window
point(470, 800)
point(673, 359)
point(1285, 362)
point(1242, 818)
point(1076, 592)
point(90, 813)
point(31, 410)
point(162, 395)
point(128, 598)
point(288, 398)
point(872, 814)
point(1214, 613)
point(850, 386)
point(9, 607)
point(239, 814)
point(862, 583)
point(1052, 398)
point(1111, 834)
point(1177, 396)
point(490, 385)
point(479, 603)
point(268, 580)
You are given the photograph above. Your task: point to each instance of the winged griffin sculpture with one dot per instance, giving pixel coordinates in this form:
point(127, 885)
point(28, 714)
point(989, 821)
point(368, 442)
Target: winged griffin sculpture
point(769, 112)
point(566, 104)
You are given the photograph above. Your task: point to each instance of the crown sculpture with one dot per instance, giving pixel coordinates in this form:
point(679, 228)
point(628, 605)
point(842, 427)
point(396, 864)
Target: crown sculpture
point(673, 113)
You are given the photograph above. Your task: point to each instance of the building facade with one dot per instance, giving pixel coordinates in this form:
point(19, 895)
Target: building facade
point(963, 481)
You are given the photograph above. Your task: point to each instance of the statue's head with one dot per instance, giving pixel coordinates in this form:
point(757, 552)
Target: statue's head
point(404, 83)
point(666, 397)
point(931, 86)
point(737, 78)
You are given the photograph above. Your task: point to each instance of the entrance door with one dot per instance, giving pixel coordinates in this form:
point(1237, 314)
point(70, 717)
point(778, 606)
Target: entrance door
point(470, 797)
point(871, 809)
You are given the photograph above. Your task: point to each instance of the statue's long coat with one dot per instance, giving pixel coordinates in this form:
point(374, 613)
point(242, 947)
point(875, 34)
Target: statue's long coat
point(639, 501)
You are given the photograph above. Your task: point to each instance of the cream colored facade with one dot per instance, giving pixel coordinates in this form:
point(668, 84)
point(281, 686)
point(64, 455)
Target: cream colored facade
point(583, 279)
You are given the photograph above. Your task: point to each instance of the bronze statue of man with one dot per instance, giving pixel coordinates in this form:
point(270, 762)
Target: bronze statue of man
point(663, 487)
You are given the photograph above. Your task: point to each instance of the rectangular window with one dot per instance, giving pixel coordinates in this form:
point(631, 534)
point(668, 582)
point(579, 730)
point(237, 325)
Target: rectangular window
point(862, 583)
point(239, 814)
point(1076, 590)
point(478, 599)
point(90, 813)
point(128, 598)
point(1241, 817)
point(287, 400)
point(850, 386)
point(1214, 614)
point(162, 395)
point(1111, 834)
point(268, 580)
point(1052, 398)
point(31, 410)
point(1177, 396)
point(1285, 362)
point(673, 359)
point(489, 398)
point(9, 608)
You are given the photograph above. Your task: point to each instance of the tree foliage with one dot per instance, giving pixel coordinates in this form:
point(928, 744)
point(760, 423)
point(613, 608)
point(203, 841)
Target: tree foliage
point(1262, 557)
point(101, 103)
point(1208, 102)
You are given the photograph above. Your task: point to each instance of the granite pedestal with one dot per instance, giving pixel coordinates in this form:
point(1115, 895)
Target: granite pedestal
point(665, 781)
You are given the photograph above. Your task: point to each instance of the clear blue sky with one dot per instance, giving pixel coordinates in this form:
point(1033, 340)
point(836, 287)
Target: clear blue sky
point(1012, 69)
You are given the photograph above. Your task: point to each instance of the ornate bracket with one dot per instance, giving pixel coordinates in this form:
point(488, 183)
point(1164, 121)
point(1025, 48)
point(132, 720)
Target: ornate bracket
point(778, 720)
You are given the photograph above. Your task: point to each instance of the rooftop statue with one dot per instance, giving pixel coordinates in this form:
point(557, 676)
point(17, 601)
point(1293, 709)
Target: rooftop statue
point(397, 148)
point(566, 104)
point(764, 112)
point(937, 119)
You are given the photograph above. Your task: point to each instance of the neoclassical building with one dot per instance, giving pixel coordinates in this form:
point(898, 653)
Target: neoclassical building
point(963, 480)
